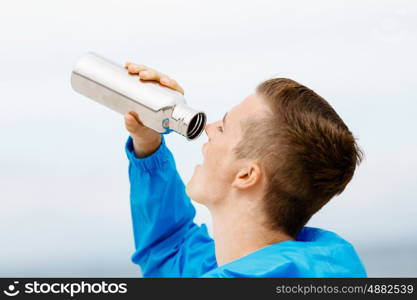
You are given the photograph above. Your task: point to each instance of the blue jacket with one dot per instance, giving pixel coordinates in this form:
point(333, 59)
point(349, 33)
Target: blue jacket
point(169, 244)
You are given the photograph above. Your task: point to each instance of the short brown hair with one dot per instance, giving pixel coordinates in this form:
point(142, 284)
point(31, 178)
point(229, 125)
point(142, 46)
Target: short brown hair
point(308, 152)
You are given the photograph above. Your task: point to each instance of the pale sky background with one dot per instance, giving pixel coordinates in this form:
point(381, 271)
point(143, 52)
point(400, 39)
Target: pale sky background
point(64, 191)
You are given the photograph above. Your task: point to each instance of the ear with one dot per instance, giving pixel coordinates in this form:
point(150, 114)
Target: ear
point(248, 176)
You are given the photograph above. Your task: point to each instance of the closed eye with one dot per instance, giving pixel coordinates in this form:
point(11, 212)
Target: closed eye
point(220, 128)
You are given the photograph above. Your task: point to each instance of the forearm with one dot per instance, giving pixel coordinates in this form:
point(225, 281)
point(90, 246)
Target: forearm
point(145, 148)
point(161, 212)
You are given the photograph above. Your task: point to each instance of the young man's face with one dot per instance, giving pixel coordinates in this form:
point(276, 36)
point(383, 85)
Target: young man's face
point(212, 180)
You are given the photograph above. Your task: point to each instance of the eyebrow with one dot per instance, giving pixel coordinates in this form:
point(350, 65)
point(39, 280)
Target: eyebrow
point(224, 120)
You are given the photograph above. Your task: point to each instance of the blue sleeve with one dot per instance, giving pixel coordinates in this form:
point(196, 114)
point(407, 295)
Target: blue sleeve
point(167, 241)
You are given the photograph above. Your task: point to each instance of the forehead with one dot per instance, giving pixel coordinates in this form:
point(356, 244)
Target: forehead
point(253, 105)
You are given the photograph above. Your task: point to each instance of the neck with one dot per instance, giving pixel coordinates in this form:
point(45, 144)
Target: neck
point(239, 230)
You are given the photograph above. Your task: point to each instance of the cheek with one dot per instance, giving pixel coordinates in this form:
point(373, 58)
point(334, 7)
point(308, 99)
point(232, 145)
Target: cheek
point(217, 164)
point(214, 157)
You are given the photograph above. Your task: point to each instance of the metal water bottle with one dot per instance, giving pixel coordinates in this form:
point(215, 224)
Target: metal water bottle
point(158, 107)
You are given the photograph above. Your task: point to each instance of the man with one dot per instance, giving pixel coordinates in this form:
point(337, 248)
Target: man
point(271, 163)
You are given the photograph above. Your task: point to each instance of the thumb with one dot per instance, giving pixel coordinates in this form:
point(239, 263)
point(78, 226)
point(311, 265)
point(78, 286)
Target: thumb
point(132, 124)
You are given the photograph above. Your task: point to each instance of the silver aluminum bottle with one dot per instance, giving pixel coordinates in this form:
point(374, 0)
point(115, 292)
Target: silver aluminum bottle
point(158, 107)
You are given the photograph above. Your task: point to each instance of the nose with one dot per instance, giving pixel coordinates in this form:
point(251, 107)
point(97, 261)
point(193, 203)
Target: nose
point(207, 128)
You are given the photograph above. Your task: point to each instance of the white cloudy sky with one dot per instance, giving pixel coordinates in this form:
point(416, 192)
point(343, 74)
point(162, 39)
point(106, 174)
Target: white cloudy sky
point(64, 205)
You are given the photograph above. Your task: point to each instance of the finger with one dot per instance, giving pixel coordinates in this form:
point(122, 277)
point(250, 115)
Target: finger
point(127, 64)
point(176, 86)
point(135, 117)
point(131, 124)
point(149, 74)
point(130, 119)
point(171, 83)
point(135, 69)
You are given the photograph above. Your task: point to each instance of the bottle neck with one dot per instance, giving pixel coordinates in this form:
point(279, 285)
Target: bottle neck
point(187, 121)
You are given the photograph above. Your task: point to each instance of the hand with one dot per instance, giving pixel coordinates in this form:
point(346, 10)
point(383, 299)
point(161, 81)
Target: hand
point(146, 140)
point(147, 73)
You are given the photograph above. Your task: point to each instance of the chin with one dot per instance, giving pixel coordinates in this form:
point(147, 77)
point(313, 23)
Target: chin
point(192, 190)
point(188, 189)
